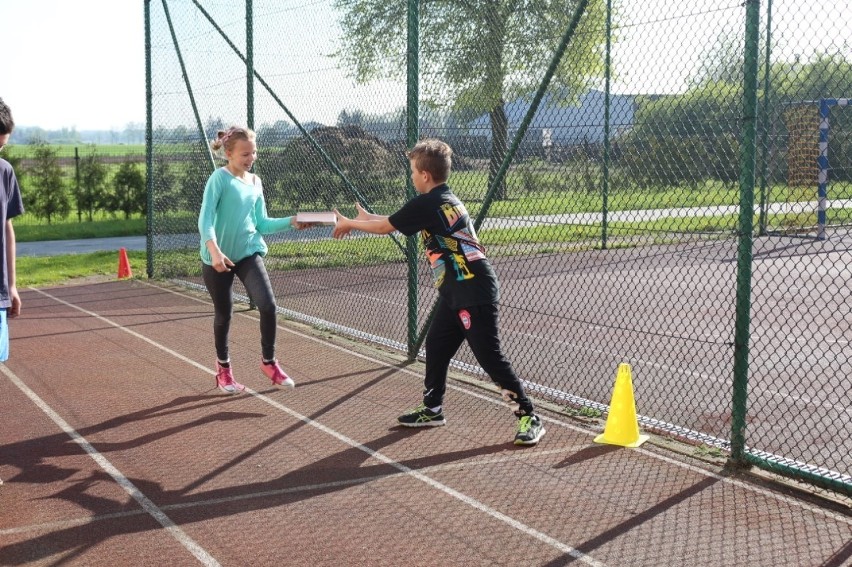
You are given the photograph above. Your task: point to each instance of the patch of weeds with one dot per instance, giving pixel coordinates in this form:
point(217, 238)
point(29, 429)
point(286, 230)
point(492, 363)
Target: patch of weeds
point(582, 412)
point(708, 451)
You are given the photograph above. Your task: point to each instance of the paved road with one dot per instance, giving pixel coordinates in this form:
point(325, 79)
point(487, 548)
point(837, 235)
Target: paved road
point(61, 247)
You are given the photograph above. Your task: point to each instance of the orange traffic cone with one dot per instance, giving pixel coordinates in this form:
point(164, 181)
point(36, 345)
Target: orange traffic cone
point(622, 426)
point(124, 270)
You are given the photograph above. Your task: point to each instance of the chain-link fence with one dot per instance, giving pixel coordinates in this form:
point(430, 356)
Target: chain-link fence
point(656, 183)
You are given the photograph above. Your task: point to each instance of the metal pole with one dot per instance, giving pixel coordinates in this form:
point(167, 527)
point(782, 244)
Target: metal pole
point(745, 244)
point(250, 64)
point(607, 110)
point(77, 185)
point(149, 147)
point(412, 133)
point(764, 124)
point(250, 82)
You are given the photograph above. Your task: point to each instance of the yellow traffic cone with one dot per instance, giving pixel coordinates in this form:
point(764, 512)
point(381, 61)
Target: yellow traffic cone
point(622, 427)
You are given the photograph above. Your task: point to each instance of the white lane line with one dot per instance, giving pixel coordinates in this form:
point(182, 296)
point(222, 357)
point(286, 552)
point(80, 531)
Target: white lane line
point(146, 504)
point(498, 402)
point(496, 514)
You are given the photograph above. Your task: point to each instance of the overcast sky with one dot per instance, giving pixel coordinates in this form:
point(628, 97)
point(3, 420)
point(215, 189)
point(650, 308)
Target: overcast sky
point(81, 63)
point(73, 63)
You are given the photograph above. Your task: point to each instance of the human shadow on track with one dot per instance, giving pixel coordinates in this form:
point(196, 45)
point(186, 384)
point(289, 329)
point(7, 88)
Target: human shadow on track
point(28, 456)
point(336, 472)
point(288, 431)
point(586, 454)
point(840, 558)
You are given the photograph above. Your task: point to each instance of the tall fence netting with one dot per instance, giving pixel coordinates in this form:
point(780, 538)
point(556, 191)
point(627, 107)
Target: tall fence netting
point(608, 197)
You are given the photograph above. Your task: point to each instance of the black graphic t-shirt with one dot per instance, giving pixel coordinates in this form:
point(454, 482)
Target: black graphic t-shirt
point(460, 270)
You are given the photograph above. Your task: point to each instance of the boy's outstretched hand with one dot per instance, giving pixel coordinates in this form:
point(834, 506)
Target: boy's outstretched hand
point(343, 226)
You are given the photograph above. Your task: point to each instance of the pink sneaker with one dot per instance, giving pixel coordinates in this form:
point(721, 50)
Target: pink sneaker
point(279, 377)
point(225, 380)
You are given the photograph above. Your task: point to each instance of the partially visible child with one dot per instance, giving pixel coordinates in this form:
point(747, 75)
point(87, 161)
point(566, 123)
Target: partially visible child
point(232, 223)
point(466, 283)
point(11, 205)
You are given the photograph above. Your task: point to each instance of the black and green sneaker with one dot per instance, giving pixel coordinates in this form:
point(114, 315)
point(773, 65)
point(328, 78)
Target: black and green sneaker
point(530, 430)
point(421, 416)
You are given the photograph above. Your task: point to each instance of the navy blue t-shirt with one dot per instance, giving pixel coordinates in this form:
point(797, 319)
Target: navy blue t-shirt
point(11, 206)
point(460, 271)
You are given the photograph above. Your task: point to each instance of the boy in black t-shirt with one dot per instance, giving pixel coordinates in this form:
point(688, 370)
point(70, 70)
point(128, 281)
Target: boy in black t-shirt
point(467, 285)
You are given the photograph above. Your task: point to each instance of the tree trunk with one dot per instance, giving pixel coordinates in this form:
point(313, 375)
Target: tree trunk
point(499, 136)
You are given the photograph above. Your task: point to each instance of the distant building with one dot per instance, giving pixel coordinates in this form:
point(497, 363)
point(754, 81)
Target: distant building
point(565, 125)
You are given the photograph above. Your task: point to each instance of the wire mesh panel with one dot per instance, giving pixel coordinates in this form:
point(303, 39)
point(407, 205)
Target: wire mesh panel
point(323, 142)
point(799, 373)
point(599, 147)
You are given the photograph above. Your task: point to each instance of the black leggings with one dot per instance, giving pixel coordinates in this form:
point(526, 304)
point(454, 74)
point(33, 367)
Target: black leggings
point(252, 272)
point(477, 324)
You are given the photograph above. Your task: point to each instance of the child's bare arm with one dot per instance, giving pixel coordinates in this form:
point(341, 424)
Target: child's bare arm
point(376, 224)
point(11, 271)
point(363, 214)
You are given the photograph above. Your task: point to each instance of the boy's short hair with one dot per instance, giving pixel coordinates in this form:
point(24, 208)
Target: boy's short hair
point(6, 122)
point(433, 156)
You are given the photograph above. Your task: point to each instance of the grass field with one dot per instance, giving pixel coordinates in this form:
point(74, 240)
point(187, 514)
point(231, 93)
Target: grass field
point(36, 271)
point(67, 150)
point(31, 229)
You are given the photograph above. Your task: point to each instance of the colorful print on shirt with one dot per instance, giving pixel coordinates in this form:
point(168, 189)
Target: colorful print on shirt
point(459, 247)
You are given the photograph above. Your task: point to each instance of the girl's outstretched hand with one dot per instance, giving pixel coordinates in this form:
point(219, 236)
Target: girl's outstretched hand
point(362, 212)
point(301, 225)
point(343, 226)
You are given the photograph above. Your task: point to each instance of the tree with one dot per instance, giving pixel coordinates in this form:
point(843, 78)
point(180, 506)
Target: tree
point(92, 189)
point(368, 162)
point(480, 53)
point(48, 197)
point(16, 162)
point(164, 187)
point(192, 174)
point(213, 126)
point(353, 118)
point(130, 194)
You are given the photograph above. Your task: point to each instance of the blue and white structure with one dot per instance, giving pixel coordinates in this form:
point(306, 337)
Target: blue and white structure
point(825, 105)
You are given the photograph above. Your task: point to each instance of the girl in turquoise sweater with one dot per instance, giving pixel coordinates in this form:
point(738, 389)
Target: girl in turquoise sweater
point(232, 223)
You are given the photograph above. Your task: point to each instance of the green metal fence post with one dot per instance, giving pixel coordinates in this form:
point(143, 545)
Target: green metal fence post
point(149, 147)
point(250, 64)
point(607, 109)
point(744, 247)
point(77, 183)
point(250, 81)
point(412, 132)
point(764, 124)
